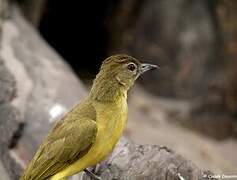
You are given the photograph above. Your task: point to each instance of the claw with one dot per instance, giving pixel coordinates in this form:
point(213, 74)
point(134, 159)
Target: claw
point(92, 175)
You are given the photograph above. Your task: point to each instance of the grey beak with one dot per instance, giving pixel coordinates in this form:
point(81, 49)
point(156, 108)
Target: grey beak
point(146, 67)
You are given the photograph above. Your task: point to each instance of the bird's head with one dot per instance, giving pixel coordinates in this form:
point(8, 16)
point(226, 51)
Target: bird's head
point(118, 72)
point(124, 69)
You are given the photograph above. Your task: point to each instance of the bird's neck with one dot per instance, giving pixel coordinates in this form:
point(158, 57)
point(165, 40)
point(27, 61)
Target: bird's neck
point(107, 90)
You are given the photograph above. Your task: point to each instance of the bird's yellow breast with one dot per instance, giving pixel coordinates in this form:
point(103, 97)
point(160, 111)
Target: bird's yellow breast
point(111, 121)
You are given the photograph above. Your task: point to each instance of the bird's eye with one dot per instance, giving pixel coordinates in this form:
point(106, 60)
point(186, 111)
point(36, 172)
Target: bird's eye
point(131, 66)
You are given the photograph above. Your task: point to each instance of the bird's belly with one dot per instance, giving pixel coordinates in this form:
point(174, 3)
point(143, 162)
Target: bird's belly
point(106, 141)
point(112, 121)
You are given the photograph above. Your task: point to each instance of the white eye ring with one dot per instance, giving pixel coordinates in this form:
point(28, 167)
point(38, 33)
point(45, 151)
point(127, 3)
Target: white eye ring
point(131, 66)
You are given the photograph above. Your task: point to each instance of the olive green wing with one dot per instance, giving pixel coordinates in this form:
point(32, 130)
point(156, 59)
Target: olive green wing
point(66, 143)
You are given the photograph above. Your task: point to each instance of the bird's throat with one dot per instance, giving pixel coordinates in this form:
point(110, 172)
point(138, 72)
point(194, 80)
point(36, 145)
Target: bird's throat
point(107, 90)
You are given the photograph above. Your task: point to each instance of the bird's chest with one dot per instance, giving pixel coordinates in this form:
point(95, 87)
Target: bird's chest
point(111, 123)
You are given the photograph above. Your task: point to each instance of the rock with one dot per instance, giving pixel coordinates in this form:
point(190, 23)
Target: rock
point(3, 172)
point(7, 84)
point(9, 117)
point(37, 87)
point(136, 162)
point(157, 120)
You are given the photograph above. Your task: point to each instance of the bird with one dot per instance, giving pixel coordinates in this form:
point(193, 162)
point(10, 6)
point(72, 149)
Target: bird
point(88, 133)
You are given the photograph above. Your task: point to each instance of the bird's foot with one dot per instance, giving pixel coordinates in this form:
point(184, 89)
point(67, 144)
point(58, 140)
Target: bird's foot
point(92, 175)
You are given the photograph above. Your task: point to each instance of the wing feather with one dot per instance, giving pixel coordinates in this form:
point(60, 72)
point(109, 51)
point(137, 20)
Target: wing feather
point(66, 143)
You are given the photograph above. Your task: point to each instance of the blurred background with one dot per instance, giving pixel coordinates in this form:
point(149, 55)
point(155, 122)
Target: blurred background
point(189, 105)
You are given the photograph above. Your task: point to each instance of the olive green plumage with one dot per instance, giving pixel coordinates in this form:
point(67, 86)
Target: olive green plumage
point(70, 139)
point(81, 130)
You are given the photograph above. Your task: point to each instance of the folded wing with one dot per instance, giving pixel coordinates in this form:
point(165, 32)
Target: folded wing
point(66, 143)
